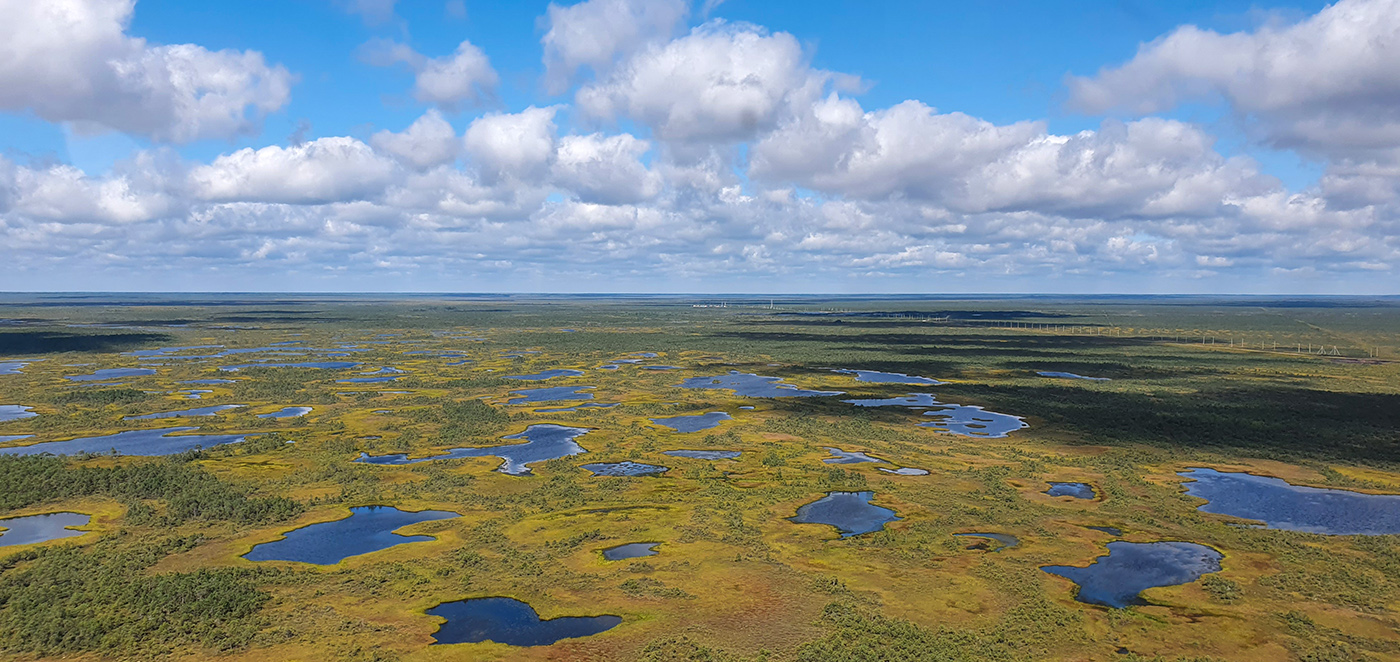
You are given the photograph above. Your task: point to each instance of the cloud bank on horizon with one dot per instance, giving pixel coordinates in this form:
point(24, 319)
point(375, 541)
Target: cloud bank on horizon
point(668, 148)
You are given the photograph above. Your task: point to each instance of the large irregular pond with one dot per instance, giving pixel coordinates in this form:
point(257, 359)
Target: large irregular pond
point(367, 529)
point(543, 443)
point(625, 468)
point(547, 374)
point(850, 512)
point(511, 622)
point(1130, 567)
point(877, 377)
point(693, 423)
point(132, 442)
point(184, 413)
point(111, 373)
point(970, 421)
point(750, 385)
point(41, 528)
point(963, 420)
point(12, 367)
point(1281, 505)
point(550, 394)
point(15, 412)
point(839, 456)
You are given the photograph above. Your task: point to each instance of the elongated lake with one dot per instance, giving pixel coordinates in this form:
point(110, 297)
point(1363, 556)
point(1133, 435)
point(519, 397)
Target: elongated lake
point(877, 377)
point(185, 413)
point(15, 412)
point(132, 442)
point(547, 374)
point(550, 394)
point(367, 529)
point(511, 622)
point(751, 385)
point(111, 373)
point(1281, 505)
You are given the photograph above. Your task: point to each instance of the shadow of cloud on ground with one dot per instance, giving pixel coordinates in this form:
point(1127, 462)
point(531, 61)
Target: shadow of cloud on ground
point(29, 343)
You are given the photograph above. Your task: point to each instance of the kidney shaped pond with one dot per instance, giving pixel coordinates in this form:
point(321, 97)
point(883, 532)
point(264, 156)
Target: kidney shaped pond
point(694, 422)
point(41, 528)
point(1281, 505)
point(850, 512)
point(511, 622)
point(132, 442)
point(544, 442)
point(1130, 567)
point(367, 529)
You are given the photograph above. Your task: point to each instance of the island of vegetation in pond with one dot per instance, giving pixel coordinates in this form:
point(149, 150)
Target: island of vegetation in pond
point(543, 443)
point(41, 528)
point(511, 622)
point(1117, 580)
point(850, 512)
point(1280, 505)
point(367, 529)
point(624, 468)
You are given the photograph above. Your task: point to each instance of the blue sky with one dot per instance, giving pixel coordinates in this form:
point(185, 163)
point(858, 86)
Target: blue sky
point(618, 145)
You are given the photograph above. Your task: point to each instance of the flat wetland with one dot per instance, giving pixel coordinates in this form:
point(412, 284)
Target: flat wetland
point(973, 556)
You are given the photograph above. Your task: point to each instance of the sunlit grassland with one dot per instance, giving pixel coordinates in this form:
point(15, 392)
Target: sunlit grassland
point(734, 578)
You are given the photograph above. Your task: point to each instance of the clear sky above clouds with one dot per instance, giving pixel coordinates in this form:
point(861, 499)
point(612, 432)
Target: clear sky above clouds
point(671, 146)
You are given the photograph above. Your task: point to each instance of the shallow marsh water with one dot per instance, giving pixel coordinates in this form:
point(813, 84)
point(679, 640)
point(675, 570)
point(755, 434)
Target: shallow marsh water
point(41, 528)
point(131, 442)
point(850, 512)
point(544, 442)
point(1281, 505)
point(694, 422)
point(1117, 579)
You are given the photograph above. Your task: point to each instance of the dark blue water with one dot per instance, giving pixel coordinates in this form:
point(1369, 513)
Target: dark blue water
point(878, 377)
point(1110, 530)
point(511, 622)
point(1003, 540)
point(367, 529)
point(608, 366)
point(661, 367)
point(545, 442)
point(839, 456)
point(15, 412)
point(1070, 375)
point(111, 373)
point(912, 400)
point(705, 455)
point(850, 512)
point(40, 528)
point(623, 469)
point(326, 365)
point(1076, 490)
point(969, 421)
point(1117, 579)
point(133, 442)
point(206, 382)
point(287, 412)
point(555, 410)
point(1281, 505)
point(752, 386)
point(369, 380)
point(695, 422)
point(184, 413)
point(547, 374)
point(905, 471)
point(631, 550)
point(550, 394)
